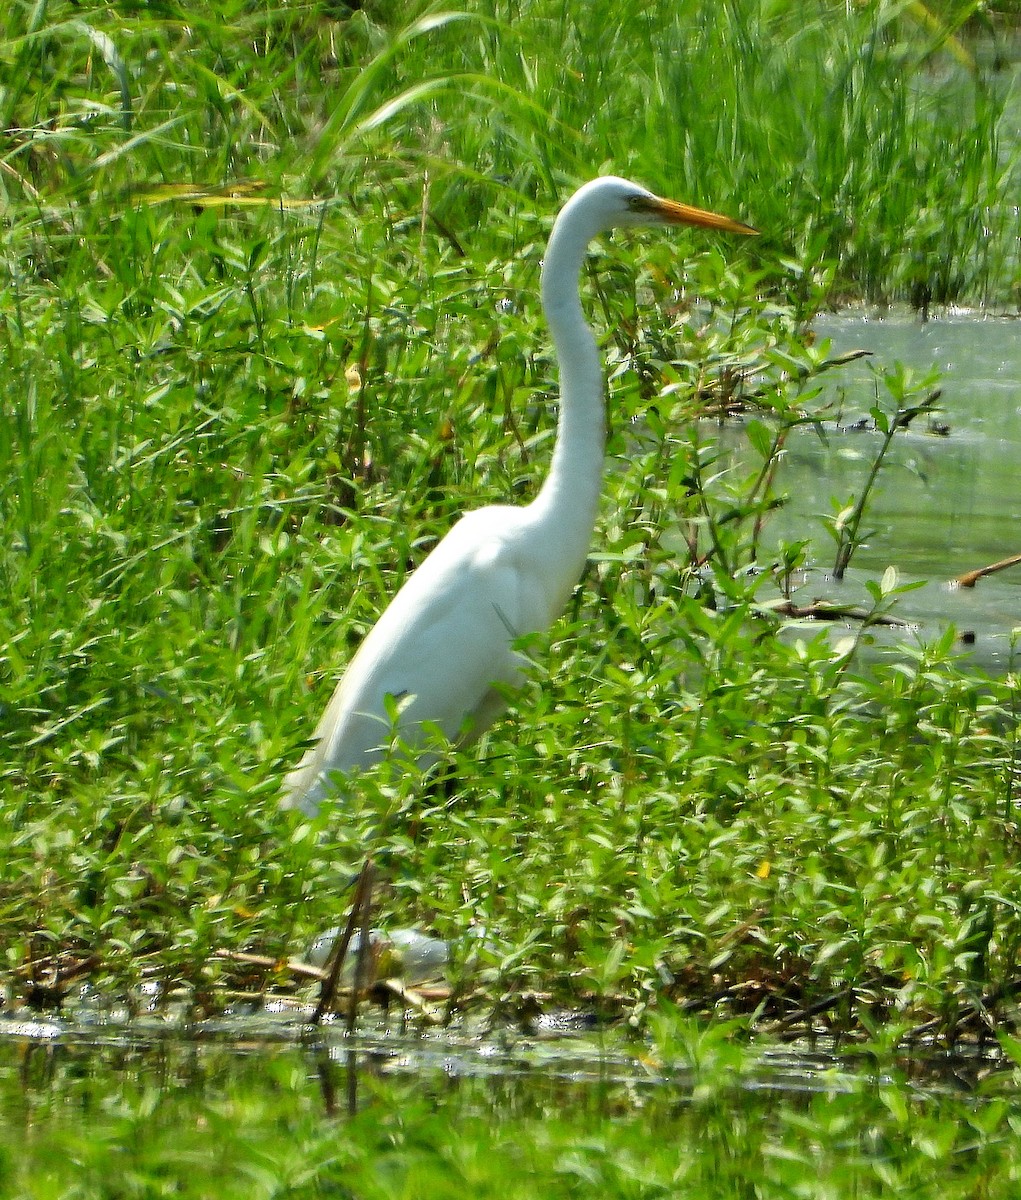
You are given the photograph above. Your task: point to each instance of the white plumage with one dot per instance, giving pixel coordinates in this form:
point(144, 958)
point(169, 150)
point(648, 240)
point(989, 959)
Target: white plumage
point(502, 571)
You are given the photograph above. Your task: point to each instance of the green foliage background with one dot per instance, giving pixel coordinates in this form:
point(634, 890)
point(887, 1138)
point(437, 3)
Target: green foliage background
point(268, 322)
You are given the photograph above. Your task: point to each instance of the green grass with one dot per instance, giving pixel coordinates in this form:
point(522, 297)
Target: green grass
point(844, 135)
point(232, 423)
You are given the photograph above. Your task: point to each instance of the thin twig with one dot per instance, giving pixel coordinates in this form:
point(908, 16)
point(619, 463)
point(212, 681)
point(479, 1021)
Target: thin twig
point(847, 532)
point(329, 988)
point(813, 1010)
point(293, 966)
point(362, 962)
point(417, 999)
point(970, 578)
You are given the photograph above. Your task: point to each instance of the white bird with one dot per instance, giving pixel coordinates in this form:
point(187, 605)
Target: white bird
point(442, 648)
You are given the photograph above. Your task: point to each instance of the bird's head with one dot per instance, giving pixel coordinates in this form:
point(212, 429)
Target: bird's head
point(609, 202)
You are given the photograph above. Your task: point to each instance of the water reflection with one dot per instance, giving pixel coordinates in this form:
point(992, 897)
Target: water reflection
point(333, 1063)
point(425, 1116)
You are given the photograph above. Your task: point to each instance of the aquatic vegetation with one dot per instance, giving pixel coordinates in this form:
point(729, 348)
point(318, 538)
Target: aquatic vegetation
point(235, 247)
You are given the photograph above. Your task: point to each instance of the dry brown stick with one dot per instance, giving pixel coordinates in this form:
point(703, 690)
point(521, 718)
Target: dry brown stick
point(362, 888)
point(362, 961)
point(812, 1010)
point(295, 966)
point(417, 999)
point(970, 578)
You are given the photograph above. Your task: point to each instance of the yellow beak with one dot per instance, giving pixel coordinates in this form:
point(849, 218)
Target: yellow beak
point(684, 214)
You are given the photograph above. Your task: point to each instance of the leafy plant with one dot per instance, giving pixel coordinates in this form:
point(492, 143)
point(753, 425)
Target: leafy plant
point(263, 346)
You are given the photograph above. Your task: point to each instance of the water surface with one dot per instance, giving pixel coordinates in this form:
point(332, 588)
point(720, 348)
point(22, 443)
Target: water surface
point(948, 499)
point(255, 1108)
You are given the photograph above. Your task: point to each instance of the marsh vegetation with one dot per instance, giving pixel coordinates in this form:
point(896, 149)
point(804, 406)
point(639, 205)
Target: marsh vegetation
point(269, 322)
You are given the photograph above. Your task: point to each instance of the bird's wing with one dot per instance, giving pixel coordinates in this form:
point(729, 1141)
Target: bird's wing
point(438, 649)
point(447, 634)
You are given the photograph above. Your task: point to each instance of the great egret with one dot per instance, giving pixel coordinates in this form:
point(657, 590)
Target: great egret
point(445, 643)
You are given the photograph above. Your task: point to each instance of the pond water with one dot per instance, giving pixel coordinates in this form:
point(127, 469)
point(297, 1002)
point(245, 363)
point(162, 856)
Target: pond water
point(947, 502)
point(558, 1050)
point(262, 1106)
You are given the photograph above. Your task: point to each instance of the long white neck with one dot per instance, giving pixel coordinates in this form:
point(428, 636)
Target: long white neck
point(568, 501)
